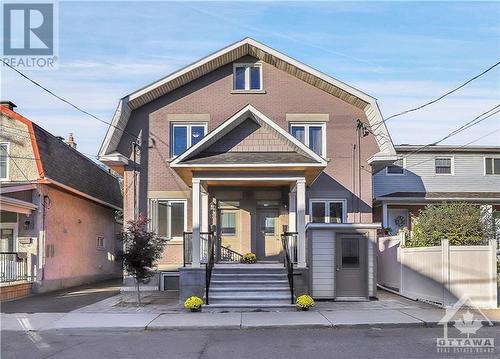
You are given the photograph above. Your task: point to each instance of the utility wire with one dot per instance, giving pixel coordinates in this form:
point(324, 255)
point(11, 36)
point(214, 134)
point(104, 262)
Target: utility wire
point(66, 101)
point(440, 97)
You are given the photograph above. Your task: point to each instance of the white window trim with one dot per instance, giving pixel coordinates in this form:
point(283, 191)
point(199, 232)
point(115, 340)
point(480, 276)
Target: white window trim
point(188, 125)
point(452, 158)
point(236, 212)
point(306, 126)
point(7, 170)
point(154, 216)
point(397, 174)
point(327, 201)
point(493, 164)
point(14, 227)
point(103, 247)
point(247, 67)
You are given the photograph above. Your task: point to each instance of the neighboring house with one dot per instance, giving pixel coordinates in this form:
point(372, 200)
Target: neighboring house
point(250, 140)
point(57, 209)
point(435, 174)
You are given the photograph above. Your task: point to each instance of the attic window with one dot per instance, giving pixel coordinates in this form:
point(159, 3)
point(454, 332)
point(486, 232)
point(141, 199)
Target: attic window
point(247, 77)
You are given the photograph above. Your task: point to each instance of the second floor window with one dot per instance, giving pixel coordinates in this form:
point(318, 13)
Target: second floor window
point(312, 135)
point(443, 165)
point(492, 166)
point(4, 161)
point(247, 77)
point(397, 168)
point(185, 135)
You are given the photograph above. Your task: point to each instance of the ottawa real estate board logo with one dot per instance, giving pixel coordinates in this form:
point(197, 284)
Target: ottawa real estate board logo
point(30, 34)
point(466, 337)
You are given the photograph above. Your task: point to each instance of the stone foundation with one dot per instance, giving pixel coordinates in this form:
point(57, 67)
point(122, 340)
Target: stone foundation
point(15, 290)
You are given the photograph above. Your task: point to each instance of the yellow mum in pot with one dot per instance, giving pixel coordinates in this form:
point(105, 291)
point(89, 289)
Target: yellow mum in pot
point(249, 258)
point(304, 302)
point(193, 303)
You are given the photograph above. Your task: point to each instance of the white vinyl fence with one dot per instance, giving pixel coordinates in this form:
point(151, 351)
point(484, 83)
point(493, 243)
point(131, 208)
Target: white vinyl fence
point(441, 274)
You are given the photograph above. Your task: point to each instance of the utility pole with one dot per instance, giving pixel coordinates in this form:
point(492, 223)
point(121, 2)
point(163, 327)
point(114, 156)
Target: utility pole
point(361, 131)
point(135, 145)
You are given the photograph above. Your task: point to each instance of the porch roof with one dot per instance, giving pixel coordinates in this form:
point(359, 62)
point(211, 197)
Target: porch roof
point(249, 158)
point(15, 205)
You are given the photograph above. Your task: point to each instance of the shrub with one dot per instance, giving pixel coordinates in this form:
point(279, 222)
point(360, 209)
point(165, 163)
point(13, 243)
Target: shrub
point(193, 303)
point(304, 302)
point(460, 223)
point(249, 258)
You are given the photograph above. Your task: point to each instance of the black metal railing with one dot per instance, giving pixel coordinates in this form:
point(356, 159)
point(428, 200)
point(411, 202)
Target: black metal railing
point(289, 241)
point(13, 267)
point(210, 263)
point(222, 253)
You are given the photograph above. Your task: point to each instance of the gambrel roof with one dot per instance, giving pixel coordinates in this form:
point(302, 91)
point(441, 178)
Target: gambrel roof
point(232, 53)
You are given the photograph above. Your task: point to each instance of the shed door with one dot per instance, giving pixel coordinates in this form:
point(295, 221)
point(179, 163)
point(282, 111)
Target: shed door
point(351, 266)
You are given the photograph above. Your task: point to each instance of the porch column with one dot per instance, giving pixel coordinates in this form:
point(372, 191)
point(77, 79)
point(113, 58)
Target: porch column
point(301, 223)
point(292, 209)
point(195, 200)
point(204, 211)
point(384, 215)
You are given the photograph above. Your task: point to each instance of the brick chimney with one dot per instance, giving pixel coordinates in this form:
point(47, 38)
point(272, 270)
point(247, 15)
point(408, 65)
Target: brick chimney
point(10, 105)
point(71, 141)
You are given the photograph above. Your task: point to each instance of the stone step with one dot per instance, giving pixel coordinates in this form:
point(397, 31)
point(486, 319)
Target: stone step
point(246, 290)
point(259, 297)
point(249, 306)
point(242, 270)
point(248, 283)
point(248, 276)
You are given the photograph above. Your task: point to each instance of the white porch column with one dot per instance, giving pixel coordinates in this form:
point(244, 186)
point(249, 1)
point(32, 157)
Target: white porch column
point(301, 223)
point(292, 211)
point(384, 215)
point(204, 211)
point(195, 200)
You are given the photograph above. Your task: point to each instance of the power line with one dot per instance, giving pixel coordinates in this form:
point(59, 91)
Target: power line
point(464, 127)
point(440, 97)
point(68, 102)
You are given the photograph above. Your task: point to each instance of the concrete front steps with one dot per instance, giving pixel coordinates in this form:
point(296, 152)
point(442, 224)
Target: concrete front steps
point(249, 286)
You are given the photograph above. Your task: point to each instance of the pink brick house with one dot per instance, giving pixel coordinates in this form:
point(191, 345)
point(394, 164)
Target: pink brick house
point(58, 208)
point(256, 152)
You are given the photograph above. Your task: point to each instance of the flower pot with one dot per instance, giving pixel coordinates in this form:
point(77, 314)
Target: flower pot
point(196, 309)
point(304, 309)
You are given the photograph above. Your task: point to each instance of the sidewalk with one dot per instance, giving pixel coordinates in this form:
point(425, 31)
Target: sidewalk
point(390, 310)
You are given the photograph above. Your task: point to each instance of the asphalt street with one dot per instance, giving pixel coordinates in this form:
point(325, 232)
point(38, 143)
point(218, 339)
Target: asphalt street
point(228, 344)
point(64, 301)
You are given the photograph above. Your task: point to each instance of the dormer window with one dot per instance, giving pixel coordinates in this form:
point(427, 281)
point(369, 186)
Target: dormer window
point(247, 77)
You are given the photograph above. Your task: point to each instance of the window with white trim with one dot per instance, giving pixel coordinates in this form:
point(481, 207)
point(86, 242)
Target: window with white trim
point(100, 244)
point(313, 135)
point(168, 217)
point(185, 135)
point(328, 211)
point(443, 165)
point(397, 168)
point(4, 160)
point(247, 77)
point(492, 166)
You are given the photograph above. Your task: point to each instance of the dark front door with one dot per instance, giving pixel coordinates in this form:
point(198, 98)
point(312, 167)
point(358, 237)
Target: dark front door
point(351, 266)
point(268, 238)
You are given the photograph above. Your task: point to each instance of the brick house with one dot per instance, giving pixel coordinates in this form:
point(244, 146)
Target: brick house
point(256, 152)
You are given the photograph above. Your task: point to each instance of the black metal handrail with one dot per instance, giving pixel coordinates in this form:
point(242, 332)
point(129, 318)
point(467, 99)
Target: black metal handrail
point(287, 237)
point(13, 267)
point(228, 255)
point(210, 263)
point(222, 253)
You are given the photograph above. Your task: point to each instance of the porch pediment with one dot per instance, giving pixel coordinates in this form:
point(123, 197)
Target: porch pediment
point(248, 140)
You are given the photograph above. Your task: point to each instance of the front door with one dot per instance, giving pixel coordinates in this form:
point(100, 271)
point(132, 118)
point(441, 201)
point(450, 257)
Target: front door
point(268, 238)
point(351, 267)
point(397, 219)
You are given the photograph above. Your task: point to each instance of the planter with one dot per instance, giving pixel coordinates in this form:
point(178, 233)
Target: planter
point(194, 310)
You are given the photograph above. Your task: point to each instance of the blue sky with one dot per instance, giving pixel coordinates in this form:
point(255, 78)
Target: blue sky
point(402, 53)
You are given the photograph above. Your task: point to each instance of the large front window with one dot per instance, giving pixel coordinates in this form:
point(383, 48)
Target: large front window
point(168, 217)
point(327, 211)
point(312, 135)
point(185, 135)
point(4, 160)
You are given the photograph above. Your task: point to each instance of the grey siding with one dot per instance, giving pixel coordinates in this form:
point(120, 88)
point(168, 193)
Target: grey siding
point(420, 177)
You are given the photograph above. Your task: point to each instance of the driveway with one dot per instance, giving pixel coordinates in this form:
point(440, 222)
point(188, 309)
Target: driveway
point(65, 300)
